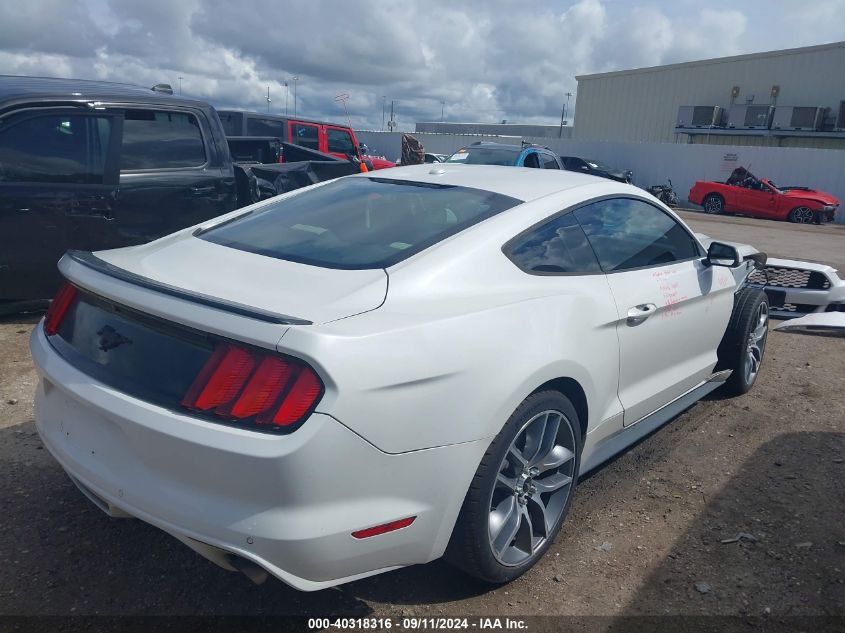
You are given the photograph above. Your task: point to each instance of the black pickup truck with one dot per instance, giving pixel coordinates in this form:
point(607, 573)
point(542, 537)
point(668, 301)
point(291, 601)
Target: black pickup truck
point(93, 165)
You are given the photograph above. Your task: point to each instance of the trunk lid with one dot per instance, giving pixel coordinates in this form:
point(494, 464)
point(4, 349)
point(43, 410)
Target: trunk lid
point(307, 293)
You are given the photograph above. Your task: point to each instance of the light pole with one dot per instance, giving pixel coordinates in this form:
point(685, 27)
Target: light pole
point(383, 104)
point(180, 86)
point(442, 107)
point(287, 93)
point(268, 98)
point(295, 80)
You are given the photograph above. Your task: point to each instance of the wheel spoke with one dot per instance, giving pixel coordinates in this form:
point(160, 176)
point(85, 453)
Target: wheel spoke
point(534, 434)
point(556, 458)
point(508, 482)
point(552, 483)
point(525, 537)
point(537, 501)
point(504, 523)
point(548, 438)
point(514, 452)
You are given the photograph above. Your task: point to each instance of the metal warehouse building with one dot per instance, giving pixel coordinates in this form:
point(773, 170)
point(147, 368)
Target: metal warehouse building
point(787, 98)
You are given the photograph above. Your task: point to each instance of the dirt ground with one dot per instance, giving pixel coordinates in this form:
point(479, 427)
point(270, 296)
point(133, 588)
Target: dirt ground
point(646, 533)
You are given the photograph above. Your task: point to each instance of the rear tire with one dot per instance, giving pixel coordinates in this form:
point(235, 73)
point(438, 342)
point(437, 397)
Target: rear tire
point(713, 204)
point(744, 342)
point(521, 491)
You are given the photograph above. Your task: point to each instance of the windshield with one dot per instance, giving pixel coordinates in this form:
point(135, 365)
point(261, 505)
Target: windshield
point(486, 156)
point(357, 223)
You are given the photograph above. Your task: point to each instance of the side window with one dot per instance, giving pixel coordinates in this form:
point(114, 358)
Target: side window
point(531, 160)
point(628, 233)
point(265, 127)
point(549, 161)
point(340, 141)
point(160, 140)
point(305, 135)
point(232, 123)
point(57, 148)
point(559, 246)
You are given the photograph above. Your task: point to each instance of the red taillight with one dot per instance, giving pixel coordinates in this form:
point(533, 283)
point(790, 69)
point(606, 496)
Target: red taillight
point(384, 528)
point(59, 307)
point(221, 379)
point(240, 384)
point(263, 389)
point(304, 392)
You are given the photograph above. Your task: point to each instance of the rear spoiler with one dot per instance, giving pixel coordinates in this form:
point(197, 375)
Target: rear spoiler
point(89, 260)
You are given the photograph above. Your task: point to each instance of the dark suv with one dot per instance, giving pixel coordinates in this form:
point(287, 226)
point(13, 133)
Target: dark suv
point(596, 168)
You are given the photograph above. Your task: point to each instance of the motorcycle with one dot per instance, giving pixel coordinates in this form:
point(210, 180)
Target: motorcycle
point(665, 193)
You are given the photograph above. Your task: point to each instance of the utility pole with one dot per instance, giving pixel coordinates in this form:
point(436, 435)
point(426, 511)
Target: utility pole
point(442, 108)
point(268, 98)
point(563, 115)
point(180, 86)
point(295, 80)
point(391, 125)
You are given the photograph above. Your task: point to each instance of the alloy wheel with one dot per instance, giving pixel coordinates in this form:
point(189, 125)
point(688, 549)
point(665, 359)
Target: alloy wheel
point(532, 487)
point(803, 215)
point(713, 204)
point(756, 343)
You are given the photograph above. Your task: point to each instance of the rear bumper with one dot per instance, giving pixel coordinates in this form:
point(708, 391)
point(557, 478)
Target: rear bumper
point(286, 503)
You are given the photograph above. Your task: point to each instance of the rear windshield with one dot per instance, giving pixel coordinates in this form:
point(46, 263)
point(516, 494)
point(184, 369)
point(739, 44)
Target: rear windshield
point(486, 156)
point(357, 223)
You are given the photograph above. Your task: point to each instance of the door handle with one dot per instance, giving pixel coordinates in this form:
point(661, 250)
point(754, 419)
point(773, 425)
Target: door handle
point(201, 191)
point(640, 313)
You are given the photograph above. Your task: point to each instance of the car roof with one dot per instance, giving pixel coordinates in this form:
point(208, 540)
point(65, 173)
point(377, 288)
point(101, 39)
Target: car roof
point(492, 145)
point(279, 117)
point(524, 184)
point(13, 87)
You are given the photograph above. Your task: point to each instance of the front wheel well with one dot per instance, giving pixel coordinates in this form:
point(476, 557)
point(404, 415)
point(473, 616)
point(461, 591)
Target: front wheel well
point(570, 388)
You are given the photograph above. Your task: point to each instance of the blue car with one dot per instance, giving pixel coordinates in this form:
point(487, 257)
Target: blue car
point(508, 155)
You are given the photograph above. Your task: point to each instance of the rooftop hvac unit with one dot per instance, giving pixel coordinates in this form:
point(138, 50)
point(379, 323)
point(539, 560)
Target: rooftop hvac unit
point(750, 117)
point(794, 118)
point(839, 126)
point(699, 116)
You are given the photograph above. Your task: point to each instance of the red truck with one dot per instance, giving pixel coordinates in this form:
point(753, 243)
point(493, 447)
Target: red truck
point(329, 138)
point(746, 194)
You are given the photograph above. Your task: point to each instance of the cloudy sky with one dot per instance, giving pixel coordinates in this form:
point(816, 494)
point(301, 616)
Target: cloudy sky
point(486, 60)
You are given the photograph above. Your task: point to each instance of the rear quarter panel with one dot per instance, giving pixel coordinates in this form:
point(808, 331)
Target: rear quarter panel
point(463, 337)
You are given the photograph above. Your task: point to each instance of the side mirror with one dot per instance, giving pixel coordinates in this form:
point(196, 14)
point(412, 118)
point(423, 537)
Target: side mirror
point(721, 254)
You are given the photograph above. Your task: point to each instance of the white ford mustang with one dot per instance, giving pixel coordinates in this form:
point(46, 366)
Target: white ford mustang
point(379, 370)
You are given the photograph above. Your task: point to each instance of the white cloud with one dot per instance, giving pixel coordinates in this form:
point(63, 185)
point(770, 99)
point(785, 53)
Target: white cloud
point(487, 61)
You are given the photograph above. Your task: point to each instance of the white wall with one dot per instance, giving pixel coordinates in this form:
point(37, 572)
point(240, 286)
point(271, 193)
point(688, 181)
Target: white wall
point(389, 144)
point(653, 163)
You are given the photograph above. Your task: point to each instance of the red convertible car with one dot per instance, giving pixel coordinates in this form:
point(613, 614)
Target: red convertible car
point(746, 194)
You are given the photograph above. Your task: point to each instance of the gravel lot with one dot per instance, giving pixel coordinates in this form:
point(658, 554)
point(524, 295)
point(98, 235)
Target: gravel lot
point(644, 536)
